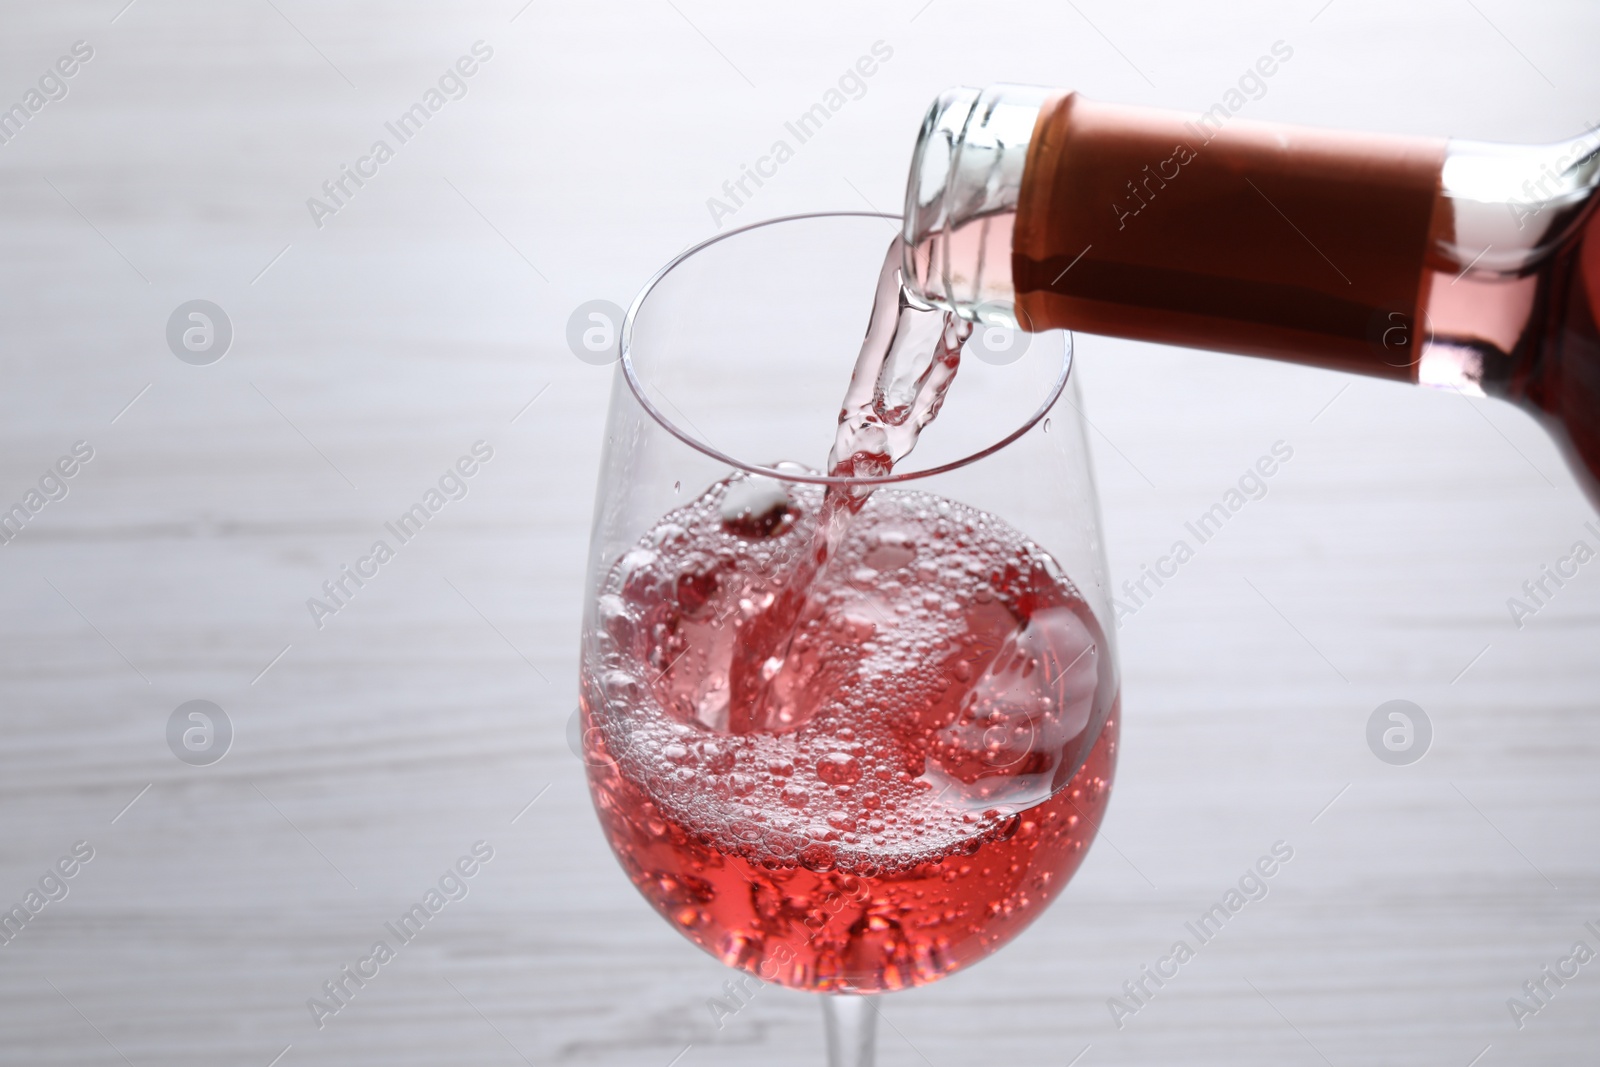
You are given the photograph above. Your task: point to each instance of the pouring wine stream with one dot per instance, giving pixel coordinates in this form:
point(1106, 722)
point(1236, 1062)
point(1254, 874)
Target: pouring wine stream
point(908, 359)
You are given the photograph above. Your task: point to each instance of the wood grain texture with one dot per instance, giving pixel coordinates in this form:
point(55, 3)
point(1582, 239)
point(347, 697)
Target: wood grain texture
point(373, 351)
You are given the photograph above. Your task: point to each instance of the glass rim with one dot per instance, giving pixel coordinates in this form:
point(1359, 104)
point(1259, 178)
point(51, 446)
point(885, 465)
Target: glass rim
point(636, 387)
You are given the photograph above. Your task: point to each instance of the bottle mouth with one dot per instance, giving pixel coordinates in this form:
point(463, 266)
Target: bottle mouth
point(928, 195)
point(966, 175)
point(787, 472)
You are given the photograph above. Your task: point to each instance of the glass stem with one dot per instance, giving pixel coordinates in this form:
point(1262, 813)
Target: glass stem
point(851, 1024)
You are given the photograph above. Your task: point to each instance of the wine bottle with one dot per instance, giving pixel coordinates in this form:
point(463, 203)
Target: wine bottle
point(1450, 263)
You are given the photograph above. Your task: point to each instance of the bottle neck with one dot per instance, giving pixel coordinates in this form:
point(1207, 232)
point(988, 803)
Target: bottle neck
point(1047, 210)
point(1503, 214)
point(1510, 206)
point(961, 200)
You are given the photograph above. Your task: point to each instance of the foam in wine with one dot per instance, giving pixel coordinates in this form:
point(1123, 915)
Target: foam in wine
point(935, 762)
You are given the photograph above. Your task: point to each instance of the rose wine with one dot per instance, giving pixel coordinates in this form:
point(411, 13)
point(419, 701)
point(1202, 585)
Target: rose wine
point(851, 738)
point(906, 365)
point(931, 761)
point(1448, 263)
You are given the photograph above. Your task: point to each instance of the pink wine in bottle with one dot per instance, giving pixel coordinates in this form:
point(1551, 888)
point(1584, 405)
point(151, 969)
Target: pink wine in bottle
point(1449, 263)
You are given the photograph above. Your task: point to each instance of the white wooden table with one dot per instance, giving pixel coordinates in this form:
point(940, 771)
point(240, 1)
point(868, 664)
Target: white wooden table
point(427, 714)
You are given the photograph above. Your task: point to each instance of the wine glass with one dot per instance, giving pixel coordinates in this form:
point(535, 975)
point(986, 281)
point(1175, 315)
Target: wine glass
point(936, 743)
